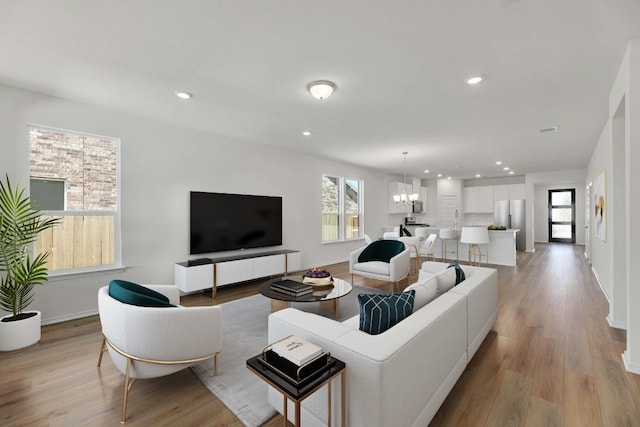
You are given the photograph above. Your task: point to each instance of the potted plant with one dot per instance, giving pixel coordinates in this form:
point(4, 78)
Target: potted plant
point(20, 271)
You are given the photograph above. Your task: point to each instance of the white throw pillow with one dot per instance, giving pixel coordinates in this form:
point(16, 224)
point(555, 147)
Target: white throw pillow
point(424, 275)
point(446, 280)
point(425, 292)
point(433, 266)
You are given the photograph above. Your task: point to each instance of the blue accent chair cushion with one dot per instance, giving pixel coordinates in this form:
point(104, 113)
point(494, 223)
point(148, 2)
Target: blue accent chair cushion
point(381, 250)
point(134, 294)
point(380, 312)
point(459, 272)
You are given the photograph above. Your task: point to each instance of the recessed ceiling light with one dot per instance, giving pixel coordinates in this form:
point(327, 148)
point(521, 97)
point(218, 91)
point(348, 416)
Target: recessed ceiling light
point(448, 177)
point(551, 129)
point(511, 172)
point(306, 133)
point(478, 175)
point(474, 80)
point(426, 171)
point(506, 168)
point(439, 175)
point(498, 162)
point(183, 95)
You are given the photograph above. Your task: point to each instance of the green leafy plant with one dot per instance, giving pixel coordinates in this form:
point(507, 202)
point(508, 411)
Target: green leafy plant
point(20, 224)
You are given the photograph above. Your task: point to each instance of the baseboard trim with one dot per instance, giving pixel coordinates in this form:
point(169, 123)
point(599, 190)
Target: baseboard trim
point(66, 318)
point(613, 324)
point(630, 367)
point(604, 292)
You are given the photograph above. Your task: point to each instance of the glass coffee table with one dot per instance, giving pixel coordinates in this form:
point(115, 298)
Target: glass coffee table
point(328, 295)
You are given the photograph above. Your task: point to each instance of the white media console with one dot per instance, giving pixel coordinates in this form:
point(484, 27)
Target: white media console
point(205, 273)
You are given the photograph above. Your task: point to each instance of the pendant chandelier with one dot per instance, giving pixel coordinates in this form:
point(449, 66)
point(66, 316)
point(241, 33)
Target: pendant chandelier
point(404, 198)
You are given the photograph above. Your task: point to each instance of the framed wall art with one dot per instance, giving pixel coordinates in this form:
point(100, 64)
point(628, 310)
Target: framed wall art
point(600, 206)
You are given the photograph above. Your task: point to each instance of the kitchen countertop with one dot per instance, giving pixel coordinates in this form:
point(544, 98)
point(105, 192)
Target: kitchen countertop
point(459, 230)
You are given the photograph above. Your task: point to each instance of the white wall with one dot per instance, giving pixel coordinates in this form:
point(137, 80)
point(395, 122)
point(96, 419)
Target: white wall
point(541, 212)
point(616, 260)
point(161, 163)
point(600, 249)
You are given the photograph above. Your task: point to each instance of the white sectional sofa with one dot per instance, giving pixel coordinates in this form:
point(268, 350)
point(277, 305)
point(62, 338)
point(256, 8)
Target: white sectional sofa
point(401, 376)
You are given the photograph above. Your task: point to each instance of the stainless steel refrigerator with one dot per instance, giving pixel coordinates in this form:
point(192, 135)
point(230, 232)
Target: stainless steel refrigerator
point(511, 214)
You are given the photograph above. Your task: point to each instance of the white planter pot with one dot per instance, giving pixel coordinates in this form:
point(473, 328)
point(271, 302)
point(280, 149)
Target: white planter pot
point(20, 334)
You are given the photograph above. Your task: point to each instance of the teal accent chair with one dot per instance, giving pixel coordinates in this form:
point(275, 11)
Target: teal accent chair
point(387, 260)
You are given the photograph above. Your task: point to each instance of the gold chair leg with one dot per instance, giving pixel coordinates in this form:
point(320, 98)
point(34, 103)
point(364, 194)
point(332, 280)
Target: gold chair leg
point(215, 365)
point(127, 387)
point(103, 348)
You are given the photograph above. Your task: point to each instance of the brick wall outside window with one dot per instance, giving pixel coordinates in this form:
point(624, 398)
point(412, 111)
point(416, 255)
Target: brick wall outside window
point(87, 164)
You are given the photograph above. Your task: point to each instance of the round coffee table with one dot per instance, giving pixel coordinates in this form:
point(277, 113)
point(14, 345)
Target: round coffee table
point(327, 295)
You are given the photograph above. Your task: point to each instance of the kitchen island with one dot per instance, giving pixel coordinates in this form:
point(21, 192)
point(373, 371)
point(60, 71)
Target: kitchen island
point(502, 246)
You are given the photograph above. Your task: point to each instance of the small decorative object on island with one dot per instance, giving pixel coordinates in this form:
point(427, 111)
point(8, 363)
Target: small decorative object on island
point(317, 277)
point(497, 227)
point(20, 271)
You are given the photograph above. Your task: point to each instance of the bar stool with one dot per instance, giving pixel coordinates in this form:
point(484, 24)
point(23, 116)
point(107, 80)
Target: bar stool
point(445, 235)
point(413, 243)
point(422, 233)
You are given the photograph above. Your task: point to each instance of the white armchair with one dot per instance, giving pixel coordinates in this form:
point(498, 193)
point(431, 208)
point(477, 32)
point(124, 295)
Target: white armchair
point(387, 260)
point(149, 342)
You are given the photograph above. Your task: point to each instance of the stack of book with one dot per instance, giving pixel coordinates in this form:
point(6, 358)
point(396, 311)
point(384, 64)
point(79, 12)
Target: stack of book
point(296, 360)
point(291, 287)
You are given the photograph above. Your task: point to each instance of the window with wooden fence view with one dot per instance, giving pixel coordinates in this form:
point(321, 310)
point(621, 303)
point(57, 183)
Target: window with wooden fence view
point(74, 177)
point(341, 208)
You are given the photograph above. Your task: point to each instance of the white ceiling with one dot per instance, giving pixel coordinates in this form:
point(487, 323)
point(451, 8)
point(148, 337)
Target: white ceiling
point(399, 66)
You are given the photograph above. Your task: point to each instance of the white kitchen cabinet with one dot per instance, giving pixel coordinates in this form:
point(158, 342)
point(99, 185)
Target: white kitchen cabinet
point(517, 192)
point(509, 192)
point(469, 196)
point(500, 192)
point(478, 199)
point(485, 199)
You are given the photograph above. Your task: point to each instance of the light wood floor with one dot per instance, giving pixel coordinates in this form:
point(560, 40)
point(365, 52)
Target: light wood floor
point(550, 360)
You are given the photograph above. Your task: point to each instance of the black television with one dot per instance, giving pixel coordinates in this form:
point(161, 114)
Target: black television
point(225, 222)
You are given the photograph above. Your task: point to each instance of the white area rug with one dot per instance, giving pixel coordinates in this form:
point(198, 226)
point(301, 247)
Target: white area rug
point(245, 335)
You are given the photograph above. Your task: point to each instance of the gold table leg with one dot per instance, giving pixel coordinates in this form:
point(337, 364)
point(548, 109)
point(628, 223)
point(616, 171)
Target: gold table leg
point(277, 305)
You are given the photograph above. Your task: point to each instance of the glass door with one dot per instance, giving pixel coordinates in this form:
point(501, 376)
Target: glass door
point(562, 216)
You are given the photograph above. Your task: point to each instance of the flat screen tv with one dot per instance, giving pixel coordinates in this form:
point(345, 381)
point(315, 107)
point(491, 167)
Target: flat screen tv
point(226, 222)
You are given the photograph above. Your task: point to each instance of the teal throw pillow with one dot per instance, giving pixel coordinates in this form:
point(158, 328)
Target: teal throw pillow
point(459, 272)
point(134, 294)
point(380, 312)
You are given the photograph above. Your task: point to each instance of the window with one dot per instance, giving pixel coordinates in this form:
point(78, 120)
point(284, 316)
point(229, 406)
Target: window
point(342, 208)
point(74, 176)
point(562, 216)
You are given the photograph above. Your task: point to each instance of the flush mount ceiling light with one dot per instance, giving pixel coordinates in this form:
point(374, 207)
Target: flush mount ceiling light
point(321, 89)
point(404, 198)
point(183, 95)
point(473, 80)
